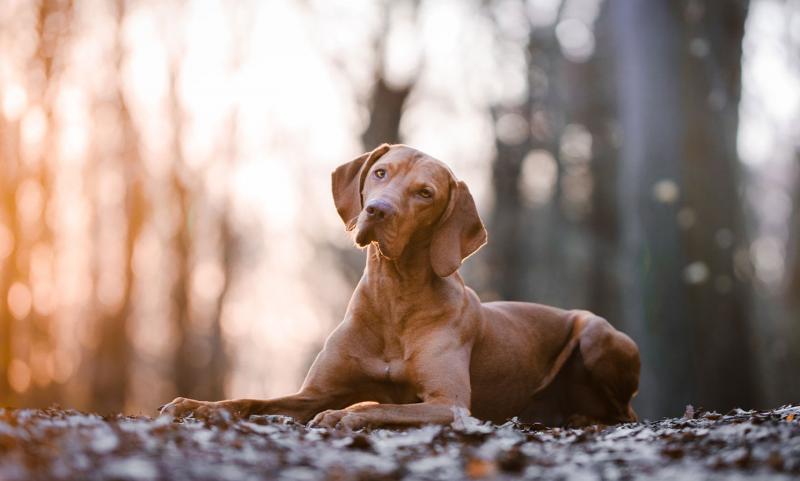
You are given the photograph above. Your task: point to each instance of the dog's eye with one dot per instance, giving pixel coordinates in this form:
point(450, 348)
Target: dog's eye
point(380, 173)
point(425, 193)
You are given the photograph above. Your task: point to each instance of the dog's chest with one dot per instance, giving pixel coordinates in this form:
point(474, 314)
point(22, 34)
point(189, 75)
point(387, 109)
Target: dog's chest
point(387, 353)
point(385, 369)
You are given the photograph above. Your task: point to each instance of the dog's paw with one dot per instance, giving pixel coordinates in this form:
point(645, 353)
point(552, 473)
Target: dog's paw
point(181, 408)
point(327, 419)
point(340, 418)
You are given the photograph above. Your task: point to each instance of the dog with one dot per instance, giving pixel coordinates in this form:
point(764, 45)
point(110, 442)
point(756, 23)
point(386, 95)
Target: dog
point(417, 346)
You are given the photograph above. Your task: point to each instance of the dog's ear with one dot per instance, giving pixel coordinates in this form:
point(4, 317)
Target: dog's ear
point(348, 180)
point(459, 234)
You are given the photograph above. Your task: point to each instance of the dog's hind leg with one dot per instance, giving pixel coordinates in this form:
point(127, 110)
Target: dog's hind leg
point(611, 360)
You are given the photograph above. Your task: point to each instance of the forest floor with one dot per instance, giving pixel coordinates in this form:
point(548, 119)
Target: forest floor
point(65, 444)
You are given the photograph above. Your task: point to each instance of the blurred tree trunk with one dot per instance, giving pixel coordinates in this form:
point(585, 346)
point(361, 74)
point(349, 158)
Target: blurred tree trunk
point(182, 369)
point(536, 248)
point(388, 99)
point(9, 157)
point(31, 236)
point(711, 108)
point(561, 250)
point(597, 110)
point(113, 357)
point(507, 253)
point(790, 327)
point(678, 78)
point(386, 105)
point(184, 372)
point(114, 354)
point(230, 246)
point(792, 274)
point(51, 35)
point(217, 369)
point(385, 111)
point(199, 363)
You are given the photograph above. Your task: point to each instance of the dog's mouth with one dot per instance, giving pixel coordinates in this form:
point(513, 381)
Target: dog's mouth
point(365, 235)
point(375, 233)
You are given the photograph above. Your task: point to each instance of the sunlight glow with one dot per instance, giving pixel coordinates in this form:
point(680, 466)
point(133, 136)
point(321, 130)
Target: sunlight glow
point(770, 83)
point(14, 101)
point(19, 375)
point(6, 242)
point(19, 300)
point(538, 177)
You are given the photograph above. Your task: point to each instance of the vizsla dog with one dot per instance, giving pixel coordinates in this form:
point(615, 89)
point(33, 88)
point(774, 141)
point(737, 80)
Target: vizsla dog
point(417, 346)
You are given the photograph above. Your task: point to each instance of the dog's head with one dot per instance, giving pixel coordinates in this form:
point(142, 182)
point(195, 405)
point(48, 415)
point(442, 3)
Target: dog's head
point(400, 198)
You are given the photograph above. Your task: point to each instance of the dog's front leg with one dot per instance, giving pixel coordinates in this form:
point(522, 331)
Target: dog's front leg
point(442, 379)
point(301, 406)
point(330, 384)
point(395, 415)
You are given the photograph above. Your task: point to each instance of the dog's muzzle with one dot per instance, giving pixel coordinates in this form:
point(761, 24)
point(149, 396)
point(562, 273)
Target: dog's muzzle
point(376, 213)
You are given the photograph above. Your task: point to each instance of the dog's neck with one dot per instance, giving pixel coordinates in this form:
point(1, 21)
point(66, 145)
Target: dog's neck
point(408, 273)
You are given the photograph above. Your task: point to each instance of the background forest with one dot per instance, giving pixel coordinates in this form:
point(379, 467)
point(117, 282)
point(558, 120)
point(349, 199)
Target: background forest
point(166, 226)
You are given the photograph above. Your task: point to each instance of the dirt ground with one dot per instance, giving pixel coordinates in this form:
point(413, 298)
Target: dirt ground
point(65, 444)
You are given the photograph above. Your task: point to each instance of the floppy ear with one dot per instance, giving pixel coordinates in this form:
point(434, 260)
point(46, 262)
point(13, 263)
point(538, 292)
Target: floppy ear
point(460, 233)
point(348, 180)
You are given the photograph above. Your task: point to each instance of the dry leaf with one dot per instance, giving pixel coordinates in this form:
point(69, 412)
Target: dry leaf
point(480, 468)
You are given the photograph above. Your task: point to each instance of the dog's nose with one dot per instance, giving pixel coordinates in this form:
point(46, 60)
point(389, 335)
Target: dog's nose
point(379, 209)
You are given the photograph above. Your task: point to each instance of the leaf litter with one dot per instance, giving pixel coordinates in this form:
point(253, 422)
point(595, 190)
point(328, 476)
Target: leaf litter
point(59, 444)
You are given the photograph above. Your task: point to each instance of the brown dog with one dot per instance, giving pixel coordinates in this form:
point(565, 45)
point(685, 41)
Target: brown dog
point(420, 345)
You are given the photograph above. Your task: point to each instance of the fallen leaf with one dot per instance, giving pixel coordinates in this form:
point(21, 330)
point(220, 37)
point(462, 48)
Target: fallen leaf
point(672, 451)
point(480, 468)
point(512, 461)
point(775, 461)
